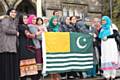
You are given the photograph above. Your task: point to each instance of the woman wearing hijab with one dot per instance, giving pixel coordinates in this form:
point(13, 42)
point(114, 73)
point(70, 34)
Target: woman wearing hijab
point(54, 27)
point(9, 68)
point(28, 67)
point(53, 24)
point(34, 29)
point(45, 21)
point(109, 51)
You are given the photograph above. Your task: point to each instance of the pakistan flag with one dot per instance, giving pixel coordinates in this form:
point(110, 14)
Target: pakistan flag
point(65, 52)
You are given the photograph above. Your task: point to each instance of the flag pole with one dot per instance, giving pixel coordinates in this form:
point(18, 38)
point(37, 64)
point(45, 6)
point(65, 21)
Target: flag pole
point(39, 8)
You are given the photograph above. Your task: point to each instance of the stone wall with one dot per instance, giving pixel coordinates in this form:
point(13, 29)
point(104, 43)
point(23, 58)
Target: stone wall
point(80, 8)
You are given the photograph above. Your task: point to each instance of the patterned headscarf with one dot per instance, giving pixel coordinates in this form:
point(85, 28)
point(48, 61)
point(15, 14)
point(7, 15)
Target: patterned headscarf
point(105, 29)
point(55, 28)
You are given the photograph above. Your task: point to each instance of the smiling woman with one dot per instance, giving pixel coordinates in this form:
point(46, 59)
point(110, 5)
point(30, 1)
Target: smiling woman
point(109, 52)
point(9, 68)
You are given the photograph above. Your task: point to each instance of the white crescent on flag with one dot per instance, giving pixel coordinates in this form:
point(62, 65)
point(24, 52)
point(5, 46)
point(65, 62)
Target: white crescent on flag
point(78, 44)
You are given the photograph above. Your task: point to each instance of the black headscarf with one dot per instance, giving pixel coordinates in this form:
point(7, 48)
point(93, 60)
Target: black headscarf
point(21, 18)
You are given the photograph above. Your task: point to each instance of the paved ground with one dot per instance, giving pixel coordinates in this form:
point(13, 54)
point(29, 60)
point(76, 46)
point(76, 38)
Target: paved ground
point(96, 78)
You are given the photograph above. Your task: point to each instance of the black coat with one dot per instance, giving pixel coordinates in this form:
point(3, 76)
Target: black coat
point(24, 43)
point(67, 28)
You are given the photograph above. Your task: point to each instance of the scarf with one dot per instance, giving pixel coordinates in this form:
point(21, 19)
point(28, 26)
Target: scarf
point(105, 29)
point(55, 28)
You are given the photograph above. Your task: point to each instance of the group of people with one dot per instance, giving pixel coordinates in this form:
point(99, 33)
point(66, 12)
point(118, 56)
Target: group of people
point(21, 44)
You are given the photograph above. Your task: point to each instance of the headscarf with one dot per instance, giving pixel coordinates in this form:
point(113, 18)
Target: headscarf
point(30, 18)
point(105, 29)
point(45, 24)
point(21, 18)
point(54, 28)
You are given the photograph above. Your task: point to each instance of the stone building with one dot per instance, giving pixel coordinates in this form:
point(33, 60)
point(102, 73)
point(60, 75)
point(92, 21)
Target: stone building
point(80, 8)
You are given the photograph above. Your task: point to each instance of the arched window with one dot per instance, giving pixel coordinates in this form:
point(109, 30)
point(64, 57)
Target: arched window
point(26, 7)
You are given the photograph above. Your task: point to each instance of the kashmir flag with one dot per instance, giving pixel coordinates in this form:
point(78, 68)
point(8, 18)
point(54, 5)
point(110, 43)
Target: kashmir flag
point(65, 52)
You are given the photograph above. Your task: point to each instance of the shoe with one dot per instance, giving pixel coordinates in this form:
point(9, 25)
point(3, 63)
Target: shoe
point(84, 75)
point(71, 77)
point(63, 78)
point(77, 77)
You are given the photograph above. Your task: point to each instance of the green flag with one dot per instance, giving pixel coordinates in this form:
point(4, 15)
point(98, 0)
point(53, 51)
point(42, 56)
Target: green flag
point(80, 43)
point(77, 55)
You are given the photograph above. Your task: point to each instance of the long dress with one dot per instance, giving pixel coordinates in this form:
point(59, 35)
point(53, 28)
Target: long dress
point(27, 54)
point(109, 56)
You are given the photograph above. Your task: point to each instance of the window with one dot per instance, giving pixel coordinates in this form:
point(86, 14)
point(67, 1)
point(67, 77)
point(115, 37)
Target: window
point(76, 12)
point(70, 12)
point(64, 12)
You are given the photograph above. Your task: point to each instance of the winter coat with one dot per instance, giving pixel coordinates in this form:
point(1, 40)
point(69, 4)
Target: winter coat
point(8, 38)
